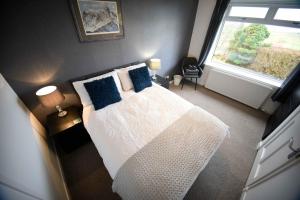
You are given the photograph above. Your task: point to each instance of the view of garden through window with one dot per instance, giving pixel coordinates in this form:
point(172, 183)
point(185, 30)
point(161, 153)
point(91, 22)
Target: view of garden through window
point(267, 49)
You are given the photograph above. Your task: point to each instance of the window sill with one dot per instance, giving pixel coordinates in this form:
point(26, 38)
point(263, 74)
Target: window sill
point(244, 73)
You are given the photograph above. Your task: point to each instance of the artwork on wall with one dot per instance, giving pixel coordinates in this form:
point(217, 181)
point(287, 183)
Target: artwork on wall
point(98, 20)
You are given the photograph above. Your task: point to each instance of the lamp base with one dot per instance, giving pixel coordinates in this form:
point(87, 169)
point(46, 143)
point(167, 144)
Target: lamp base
point(61, 112)
point(153, 75)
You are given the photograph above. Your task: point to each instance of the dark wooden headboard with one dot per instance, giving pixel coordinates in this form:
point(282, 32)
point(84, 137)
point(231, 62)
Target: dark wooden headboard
point(84, 77)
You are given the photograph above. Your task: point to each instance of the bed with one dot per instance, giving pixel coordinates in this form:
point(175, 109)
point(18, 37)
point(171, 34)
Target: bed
point(153, 143)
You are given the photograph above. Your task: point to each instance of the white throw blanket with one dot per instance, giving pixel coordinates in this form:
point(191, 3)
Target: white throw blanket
point(166, 167)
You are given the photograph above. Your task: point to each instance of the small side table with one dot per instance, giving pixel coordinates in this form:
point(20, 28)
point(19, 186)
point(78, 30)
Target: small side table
point(68, 132)
point(164, 82)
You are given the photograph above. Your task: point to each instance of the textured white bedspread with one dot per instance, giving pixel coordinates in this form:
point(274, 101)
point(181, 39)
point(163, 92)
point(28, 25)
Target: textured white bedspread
point(121, 129)
point(168, 165)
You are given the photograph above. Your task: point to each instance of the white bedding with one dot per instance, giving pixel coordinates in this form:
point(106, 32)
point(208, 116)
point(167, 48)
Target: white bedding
point(121, 129)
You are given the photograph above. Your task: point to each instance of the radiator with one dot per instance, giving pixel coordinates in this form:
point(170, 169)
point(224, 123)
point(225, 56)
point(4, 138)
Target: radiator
point(243, 90)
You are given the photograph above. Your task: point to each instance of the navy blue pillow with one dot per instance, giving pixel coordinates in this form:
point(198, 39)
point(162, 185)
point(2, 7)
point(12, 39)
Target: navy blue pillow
point(103, 92)
point(140, 78)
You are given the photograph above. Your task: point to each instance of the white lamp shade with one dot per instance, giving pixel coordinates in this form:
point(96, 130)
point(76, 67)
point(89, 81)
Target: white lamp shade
point(50, 96)
point(154, 64)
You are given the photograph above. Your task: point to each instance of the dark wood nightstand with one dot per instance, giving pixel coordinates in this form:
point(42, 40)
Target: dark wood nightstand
point(68, 132)
point(164, 82)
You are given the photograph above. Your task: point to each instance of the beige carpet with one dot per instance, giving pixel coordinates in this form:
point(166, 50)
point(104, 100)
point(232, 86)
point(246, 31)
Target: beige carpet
point(224, 176)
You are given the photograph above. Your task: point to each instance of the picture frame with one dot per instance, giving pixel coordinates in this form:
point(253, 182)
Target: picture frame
point(98, 19)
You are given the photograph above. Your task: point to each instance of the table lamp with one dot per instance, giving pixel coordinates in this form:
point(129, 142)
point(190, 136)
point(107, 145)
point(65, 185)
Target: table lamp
point(154, 65)
point(50, 96)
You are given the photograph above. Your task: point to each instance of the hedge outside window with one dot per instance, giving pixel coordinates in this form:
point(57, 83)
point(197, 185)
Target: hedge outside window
point(260, 39)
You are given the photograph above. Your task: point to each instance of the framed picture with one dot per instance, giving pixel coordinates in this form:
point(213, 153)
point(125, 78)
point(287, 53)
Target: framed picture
point(98, 20)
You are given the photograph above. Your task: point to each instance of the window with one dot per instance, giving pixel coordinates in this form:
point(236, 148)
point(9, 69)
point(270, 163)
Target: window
point(261, 40)
point(254, 12)
point(288, 14)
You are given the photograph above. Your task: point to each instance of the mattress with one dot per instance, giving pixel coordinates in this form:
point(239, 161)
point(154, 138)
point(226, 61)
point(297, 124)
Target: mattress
point(122, 129)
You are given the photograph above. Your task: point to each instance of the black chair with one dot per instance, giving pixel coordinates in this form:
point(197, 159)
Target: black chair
point(187, 64)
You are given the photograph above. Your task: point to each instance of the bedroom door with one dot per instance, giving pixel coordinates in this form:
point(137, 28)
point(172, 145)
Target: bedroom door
point(276, 170)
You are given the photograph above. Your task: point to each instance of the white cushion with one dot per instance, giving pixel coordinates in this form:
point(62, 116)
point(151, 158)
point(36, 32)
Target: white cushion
point(136, 66)
point(132, 67)
point(83, 94)
point(125, 79)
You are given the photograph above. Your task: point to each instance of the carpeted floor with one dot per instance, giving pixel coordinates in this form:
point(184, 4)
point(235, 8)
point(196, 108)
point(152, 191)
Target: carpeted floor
point(223, 178)
point(225, 175)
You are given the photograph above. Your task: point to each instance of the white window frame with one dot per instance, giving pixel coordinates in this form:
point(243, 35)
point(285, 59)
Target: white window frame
point(268, 20)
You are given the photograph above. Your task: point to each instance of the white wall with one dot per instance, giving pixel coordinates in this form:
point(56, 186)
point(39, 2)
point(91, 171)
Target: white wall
point(268, 106)
point(252, 92)
point(204, 12)
point(28, 168)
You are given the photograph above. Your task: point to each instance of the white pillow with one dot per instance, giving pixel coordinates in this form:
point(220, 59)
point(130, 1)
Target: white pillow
point(132, 67)
point(125, 79)
point(83, 94)
point(136, 66)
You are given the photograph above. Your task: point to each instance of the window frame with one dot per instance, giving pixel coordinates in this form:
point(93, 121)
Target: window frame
point(268, 20)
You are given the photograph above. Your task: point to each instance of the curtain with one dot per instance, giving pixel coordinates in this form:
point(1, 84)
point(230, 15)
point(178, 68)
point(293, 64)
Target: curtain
point(288, 85)
point(216, 19)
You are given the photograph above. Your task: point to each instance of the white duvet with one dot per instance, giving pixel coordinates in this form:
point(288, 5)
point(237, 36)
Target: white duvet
point(121, 129)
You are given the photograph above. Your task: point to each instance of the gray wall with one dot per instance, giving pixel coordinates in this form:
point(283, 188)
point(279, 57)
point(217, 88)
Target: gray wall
point(40, 45)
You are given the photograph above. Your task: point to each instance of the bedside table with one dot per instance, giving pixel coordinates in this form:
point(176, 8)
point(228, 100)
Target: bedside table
point(68, 132)
point(161, 81)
